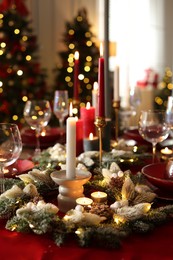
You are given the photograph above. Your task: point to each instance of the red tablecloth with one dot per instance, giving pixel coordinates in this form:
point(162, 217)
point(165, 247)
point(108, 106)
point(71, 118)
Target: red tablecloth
point(157, 245)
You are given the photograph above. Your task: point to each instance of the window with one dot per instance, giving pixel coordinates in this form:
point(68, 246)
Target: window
point(129, 27)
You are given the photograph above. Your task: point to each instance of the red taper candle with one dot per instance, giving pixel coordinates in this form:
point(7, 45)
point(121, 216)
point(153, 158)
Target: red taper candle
point(101, 95)
point(79, 136)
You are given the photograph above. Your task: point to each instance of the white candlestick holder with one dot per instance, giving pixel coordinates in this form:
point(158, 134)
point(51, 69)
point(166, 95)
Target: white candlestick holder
point(69, 189)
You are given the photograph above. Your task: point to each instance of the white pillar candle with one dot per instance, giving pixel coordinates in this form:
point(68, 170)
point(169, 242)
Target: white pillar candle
point(116, 84)
point(71, 146)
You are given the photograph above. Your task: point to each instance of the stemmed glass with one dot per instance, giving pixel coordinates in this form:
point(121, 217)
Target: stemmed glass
point(10, 148)
point(125, 115)
point(135, 100)
point(153, 127)
point(169, 112)
point(37, 114)
point(135, 97)
point(60, 107)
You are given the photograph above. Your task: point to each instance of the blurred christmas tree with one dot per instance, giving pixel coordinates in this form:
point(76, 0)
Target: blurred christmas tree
point(21, 77)
point(78, 37)
point(165, 89)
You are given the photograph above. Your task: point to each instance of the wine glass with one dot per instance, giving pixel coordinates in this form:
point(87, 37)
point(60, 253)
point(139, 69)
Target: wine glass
point(135, 97)
point(135, 100)
point(153, 127)
point(10, 148)
point(60, 107)
point(125, 116)
point(169, 112)
point(37, 114)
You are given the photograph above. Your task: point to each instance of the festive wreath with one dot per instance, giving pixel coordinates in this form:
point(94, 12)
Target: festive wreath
point(129, 207)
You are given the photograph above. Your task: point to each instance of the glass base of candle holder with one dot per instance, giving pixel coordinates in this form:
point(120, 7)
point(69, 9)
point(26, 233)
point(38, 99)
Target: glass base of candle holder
point(69, 189)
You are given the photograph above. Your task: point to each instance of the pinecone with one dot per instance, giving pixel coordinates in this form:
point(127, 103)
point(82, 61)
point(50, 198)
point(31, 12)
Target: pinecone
point(103, 210)
point(37, 199)
point(116, 182)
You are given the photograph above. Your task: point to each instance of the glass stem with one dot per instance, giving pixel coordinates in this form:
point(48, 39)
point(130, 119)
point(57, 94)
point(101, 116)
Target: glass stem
point(61, 123)
point(37, 150)
point(154, 152)
point(2, 185)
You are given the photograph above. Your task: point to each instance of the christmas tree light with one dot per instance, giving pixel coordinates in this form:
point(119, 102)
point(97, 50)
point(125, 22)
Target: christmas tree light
point(78, 37)
point(21, 77)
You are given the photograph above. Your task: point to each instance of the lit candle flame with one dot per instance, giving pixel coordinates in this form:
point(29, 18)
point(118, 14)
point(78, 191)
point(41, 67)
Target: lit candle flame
point(76, 55)
point(101, 50)
point(91, 137)
point(71, 109)
point(88, 105)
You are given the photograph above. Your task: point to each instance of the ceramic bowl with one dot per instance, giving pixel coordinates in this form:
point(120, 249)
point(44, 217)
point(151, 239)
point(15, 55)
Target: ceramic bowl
point(157, 175)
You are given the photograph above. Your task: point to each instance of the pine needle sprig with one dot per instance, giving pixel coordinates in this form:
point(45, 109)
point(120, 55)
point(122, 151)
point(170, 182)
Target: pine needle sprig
point(39, 222)
point(101, 236)
point(8, 206)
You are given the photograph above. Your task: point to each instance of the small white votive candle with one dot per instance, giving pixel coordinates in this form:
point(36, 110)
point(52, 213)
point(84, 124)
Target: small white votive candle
point(166, 151)
point(99, 196)
point(84, 201)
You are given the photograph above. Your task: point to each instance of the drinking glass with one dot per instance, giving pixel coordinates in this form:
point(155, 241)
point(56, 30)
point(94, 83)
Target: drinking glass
point(125, 117)
point(60, 107)
point(135, 97)
point(10, 148)
point(153, 127)
point(37, 114)
point(169, 113)
point(135, 101)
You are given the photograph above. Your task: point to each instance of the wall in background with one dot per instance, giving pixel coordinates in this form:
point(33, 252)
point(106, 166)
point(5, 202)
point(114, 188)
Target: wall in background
point(150, 46)
point(144, 36)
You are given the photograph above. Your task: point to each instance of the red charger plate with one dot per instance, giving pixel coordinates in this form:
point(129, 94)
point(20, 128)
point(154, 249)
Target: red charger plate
point(52, 136)
point(19, 167)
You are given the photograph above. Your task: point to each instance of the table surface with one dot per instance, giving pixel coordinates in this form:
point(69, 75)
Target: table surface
point(156, 245)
